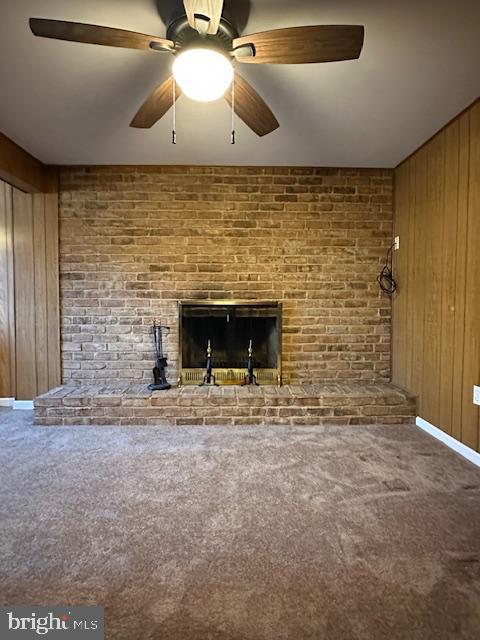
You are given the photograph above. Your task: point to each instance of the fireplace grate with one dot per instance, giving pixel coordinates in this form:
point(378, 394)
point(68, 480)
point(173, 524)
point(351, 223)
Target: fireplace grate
point(230, 376)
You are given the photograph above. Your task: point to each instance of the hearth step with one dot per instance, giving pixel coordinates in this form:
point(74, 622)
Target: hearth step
point(126, 404)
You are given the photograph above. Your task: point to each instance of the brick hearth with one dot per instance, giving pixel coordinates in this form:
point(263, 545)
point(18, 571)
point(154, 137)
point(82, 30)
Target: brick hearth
point(320, 404)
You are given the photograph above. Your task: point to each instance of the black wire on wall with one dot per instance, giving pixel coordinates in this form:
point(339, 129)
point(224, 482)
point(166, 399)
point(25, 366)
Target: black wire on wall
point(385, 278)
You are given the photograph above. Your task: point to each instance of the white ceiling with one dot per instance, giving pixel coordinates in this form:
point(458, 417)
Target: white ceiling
point(70, 103)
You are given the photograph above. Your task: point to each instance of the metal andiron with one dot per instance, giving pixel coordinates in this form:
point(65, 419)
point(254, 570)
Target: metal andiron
point(250, 377)
point(209, 377)
point(159, 377)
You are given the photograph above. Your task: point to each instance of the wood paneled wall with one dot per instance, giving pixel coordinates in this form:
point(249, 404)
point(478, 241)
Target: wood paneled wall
point(436, 310)
point(7, 298)
point(29, 314)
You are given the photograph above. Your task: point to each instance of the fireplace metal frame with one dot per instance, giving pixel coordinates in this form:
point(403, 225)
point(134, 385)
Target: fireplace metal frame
point(188, 376)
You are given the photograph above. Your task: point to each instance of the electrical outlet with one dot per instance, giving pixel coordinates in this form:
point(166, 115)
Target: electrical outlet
point(396, 243)
point(476, 395)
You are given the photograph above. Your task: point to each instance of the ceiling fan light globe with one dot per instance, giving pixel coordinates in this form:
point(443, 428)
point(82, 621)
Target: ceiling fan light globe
point(203, 74)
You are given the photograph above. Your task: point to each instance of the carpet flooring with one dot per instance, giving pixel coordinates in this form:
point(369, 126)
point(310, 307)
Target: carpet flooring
point(271, 533)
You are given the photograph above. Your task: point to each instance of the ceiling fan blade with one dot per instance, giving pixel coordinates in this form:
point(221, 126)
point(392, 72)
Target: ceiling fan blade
point(93, 34)
point(300, 45)
point(211, 9)
point(251, 108)
point(156, 105)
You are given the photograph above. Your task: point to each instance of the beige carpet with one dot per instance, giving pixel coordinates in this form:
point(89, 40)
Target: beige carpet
point(277, 533)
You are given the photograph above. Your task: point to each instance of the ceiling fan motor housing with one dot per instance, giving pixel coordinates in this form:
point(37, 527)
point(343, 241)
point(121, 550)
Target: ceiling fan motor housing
point(185, 37)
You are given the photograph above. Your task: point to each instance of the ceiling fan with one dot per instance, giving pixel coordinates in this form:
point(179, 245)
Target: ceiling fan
point(206, 46)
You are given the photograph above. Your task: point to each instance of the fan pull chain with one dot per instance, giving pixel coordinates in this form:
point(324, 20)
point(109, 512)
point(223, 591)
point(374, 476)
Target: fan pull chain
point(232, 139)
point(174, 112)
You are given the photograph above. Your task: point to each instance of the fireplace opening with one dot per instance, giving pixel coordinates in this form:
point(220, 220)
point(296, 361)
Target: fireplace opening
point(230, 326)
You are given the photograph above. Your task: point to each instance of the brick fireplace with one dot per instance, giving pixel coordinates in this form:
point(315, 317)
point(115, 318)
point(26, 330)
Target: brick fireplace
point(136, 241)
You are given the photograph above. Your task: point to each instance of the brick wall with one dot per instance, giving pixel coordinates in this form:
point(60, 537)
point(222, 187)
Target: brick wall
point(135, 240)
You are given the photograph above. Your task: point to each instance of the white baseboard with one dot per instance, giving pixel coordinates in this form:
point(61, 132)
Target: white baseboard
point(24, 405)
point(454, 444)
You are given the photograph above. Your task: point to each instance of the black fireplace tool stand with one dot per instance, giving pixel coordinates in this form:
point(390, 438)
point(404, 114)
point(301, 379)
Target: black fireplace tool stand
point(159, 376)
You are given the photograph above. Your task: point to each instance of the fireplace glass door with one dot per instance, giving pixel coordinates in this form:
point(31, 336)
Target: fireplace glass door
point(230, 328)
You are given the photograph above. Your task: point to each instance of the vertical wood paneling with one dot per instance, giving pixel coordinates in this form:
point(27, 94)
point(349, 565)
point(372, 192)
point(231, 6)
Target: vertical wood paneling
point(29, 309)
point(412, 298)
point(438, 210)
point(419, 287)
point(23, 248)
point(11, 289)
point(52, 284)
point(448, 276)
point(460, 274)
point(7, 298)
point(434, 214)
point(40, 279)
point(400, 310)
point(471, 366)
